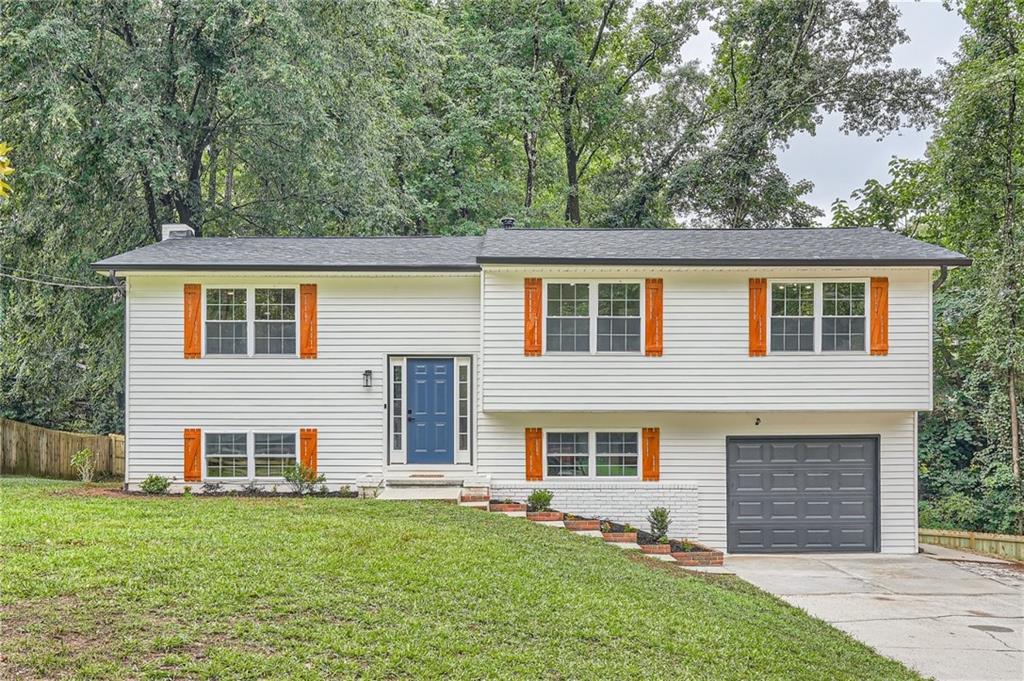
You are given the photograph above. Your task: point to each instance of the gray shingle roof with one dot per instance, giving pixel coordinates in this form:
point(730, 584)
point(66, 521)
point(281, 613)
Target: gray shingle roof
point(847, 247)
point(866, 245)
point(301, 253)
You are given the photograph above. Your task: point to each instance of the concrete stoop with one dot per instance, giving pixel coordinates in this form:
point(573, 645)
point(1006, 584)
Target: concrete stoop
point(463, 489)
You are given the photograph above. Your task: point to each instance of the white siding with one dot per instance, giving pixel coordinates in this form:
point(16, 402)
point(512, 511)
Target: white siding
point(693, 450)
point(705, 366)
point(362, 319)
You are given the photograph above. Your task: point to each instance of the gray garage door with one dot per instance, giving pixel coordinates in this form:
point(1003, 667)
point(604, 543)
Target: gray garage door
point(800, 494)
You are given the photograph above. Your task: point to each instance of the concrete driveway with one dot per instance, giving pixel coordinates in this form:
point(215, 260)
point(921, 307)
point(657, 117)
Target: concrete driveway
point(948, 620)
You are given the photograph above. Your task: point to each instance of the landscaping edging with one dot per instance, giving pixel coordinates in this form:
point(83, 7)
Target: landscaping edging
point(698, 556)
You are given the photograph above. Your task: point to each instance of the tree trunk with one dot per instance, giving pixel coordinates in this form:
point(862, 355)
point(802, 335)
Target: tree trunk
point(530, 147)
point(572, 199)
point(1014, 427)
point(211, 192)
point(229, 179)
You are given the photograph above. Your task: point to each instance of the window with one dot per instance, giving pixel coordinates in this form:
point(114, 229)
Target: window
point(463, 410)
point(792, 318)
point(226, 455)
point(267, 316)
point(843, 318)
point(273, 454)
point(593, 317)
point(568, 318)
point(618, 318)
point(617, 454)
point(568, 455)
point(225, 321)
point(275, 321)
point(397, 410)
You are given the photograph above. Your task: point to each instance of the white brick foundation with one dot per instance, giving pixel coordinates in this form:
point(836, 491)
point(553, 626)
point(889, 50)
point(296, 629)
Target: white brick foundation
point(622, 502)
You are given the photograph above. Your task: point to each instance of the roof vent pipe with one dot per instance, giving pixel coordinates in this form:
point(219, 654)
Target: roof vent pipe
point(176, 232)
point(508, 222)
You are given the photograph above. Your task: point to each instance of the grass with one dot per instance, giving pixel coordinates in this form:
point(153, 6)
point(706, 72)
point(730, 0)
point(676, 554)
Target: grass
point(94, 585)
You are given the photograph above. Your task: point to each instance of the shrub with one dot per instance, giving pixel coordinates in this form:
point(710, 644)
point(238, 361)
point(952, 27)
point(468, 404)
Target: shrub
point(84, 461)
point(302, 479)
point(659, 520)
point(155, 484)
point(211, 487)
point(540, 500)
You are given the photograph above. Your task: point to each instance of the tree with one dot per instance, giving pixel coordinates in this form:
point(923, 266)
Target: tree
point(965, 194)
point(780, 66)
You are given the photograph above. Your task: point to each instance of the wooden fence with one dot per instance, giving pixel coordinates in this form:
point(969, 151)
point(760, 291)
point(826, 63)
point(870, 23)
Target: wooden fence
point(1003, 545)
point(31, 450)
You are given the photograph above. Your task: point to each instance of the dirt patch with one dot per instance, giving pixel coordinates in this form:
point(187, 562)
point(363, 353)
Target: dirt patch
point(91, 490)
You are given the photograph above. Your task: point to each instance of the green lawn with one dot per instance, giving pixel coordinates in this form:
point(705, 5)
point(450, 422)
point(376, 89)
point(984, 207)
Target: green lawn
point(103, 586)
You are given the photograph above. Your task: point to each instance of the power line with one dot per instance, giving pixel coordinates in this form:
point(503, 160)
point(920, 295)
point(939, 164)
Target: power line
point(56, 283)
point(54, 277)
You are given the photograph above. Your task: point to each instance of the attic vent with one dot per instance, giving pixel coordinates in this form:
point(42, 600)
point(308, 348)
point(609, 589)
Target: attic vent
point(176, 232)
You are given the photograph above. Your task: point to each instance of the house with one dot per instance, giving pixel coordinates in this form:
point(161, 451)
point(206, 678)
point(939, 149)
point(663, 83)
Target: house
point(762, 385)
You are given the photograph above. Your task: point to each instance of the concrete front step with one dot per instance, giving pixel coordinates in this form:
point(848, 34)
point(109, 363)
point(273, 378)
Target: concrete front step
point(423, 482)
point(443, 493)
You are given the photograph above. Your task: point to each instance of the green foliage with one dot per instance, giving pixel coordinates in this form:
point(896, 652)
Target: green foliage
point(302, 479)
point(966, 194)
point(84, 461)
point(540, 500)
point(155, 484)
point(245, 117)
point(659, 520)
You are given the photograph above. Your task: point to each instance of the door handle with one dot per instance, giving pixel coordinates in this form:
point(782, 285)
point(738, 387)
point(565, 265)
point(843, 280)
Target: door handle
point(409, 416)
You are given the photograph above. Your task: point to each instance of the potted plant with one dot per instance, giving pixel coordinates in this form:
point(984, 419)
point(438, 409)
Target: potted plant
point(507, 506)
point(657, 541)
point(578, 524)
point(614, 532)
point(539, 506)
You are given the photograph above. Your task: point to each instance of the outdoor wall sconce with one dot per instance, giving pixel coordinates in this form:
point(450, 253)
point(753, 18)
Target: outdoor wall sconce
point(368, 379)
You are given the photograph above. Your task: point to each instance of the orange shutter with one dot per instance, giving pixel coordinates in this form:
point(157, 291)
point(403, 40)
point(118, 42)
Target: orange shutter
point(307, 452)
point(307, 321)
point(758, 317)
point(193, 321)
point(534, 454)
point(193, 455)
point(652, 454)
point(654, 289)
point(879, 315)
point(532, 303)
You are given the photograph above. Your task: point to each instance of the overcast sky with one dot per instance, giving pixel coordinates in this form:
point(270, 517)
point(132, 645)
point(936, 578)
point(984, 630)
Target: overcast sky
point(837, 163)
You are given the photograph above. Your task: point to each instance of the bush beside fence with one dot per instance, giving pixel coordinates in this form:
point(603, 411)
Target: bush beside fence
point(32, 450)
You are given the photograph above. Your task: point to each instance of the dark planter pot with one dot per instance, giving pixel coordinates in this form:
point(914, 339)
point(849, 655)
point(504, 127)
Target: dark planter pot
point(515, 508)
point(620, 537)
point(660, 549)
point(582, 525)
point(544, 515)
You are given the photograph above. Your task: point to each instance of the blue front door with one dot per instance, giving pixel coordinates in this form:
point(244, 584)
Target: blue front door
point(431, 403)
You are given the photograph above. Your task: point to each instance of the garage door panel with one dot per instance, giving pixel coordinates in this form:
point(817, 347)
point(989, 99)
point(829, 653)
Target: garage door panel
point(802, 494)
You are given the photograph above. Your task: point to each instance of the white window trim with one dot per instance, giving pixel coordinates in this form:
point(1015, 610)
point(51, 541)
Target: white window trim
point(592, 454)
point(250, 320)
point(819, 305)
point(397, 455)
point(592, 306)
point(462, 455)
point(250, 452)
